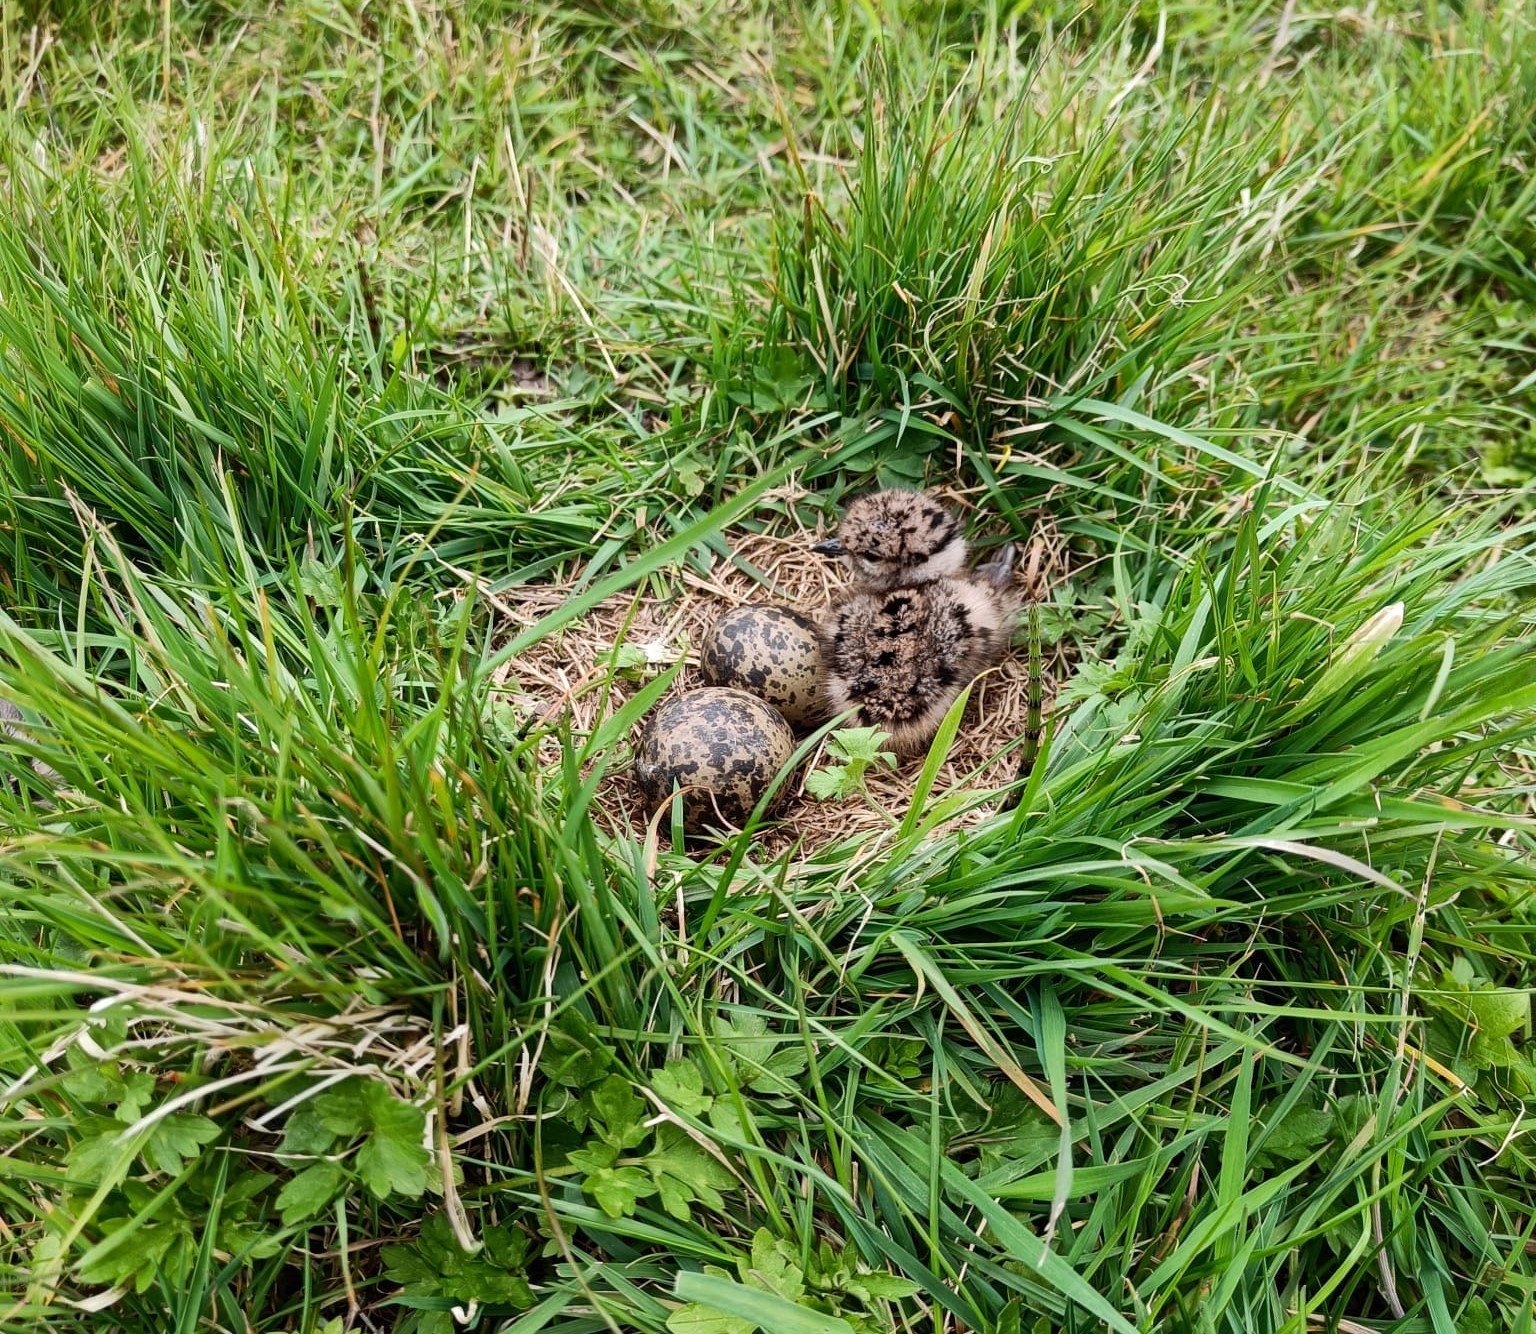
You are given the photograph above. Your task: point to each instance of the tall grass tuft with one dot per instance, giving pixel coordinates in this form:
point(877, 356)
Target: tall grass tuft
point(1069, 239)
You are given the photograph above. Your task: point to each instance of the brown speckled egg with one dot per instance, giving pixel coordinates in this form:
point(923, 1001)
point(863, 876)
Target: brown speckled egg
point(724, 746)
point(771, 652)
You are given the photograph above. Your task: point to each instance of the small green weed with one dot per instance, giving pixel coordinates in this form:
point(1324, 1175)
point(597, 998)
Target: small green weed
point(854, 751)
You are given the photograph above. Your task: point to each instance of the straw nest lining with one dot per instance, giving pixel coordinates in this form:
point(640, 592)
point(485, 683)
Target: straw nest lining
point(569, 673)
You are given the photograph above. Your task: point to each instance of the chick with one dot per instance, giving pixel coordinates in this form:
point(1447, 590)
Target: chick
point(915, 628)
point(11, 729)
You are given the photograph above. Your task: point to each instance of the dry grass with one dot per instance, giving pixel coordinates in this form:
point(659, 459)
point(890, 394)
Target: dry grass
point(571, 672)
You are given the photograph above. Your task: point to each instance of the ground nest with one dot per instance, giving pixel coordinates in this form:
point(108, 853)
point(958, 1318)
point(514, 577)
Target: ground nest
point(569, 673)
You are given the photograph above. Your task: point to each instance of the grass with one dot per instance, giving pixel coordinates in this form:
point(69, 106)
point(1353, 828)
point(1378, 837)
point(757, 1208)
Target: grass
point(324, 1002)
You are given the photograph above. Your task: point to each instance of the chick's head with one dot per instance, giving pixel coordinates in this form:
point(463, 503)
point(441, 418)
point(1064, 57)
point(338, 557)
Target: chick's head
point(894, 538)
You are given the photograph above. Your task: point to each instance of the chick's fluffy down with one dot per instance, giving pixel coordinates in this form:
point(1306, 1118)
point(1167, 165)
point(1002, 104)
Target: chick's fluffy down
point(901, 657)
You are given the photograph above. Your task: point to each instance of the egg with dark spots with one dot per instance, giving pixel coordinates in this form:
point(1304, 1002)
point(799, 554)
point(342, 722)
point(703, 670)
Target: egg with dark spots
point(772, 652)
point(720, 747)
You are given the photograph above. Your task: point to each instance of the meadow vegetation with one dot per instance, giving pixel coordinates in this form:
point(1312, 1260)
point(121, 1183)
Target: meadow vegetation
point(327, 326)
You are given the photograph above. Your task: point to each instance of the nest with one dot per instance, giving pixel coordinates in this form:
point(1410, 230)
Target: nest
point(570, 674)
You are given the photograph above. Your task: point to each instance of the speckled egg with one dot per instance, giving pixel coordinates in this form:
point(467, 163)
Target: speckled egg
point(771, 652)
point(722, 746)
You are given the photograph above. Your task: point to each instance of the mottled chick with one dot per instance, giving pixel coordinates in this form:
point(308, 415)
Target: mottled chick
point(892, 538)
point(11, 729)
point(904, 641)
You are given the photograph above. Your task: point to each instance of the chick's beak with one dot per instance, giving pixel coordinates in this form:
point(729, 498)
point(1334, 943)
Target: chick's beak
point(831, 547)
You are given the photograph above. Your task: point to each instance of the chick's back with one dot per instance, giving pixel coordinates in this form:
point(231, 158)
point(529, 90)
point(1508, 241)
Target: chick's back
point(902, 656)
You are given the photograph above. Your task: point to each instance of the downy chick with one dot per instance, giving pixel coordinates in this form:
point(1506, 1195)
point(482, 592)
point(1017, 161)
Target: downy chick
point(916, 627)
point(11, 729)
